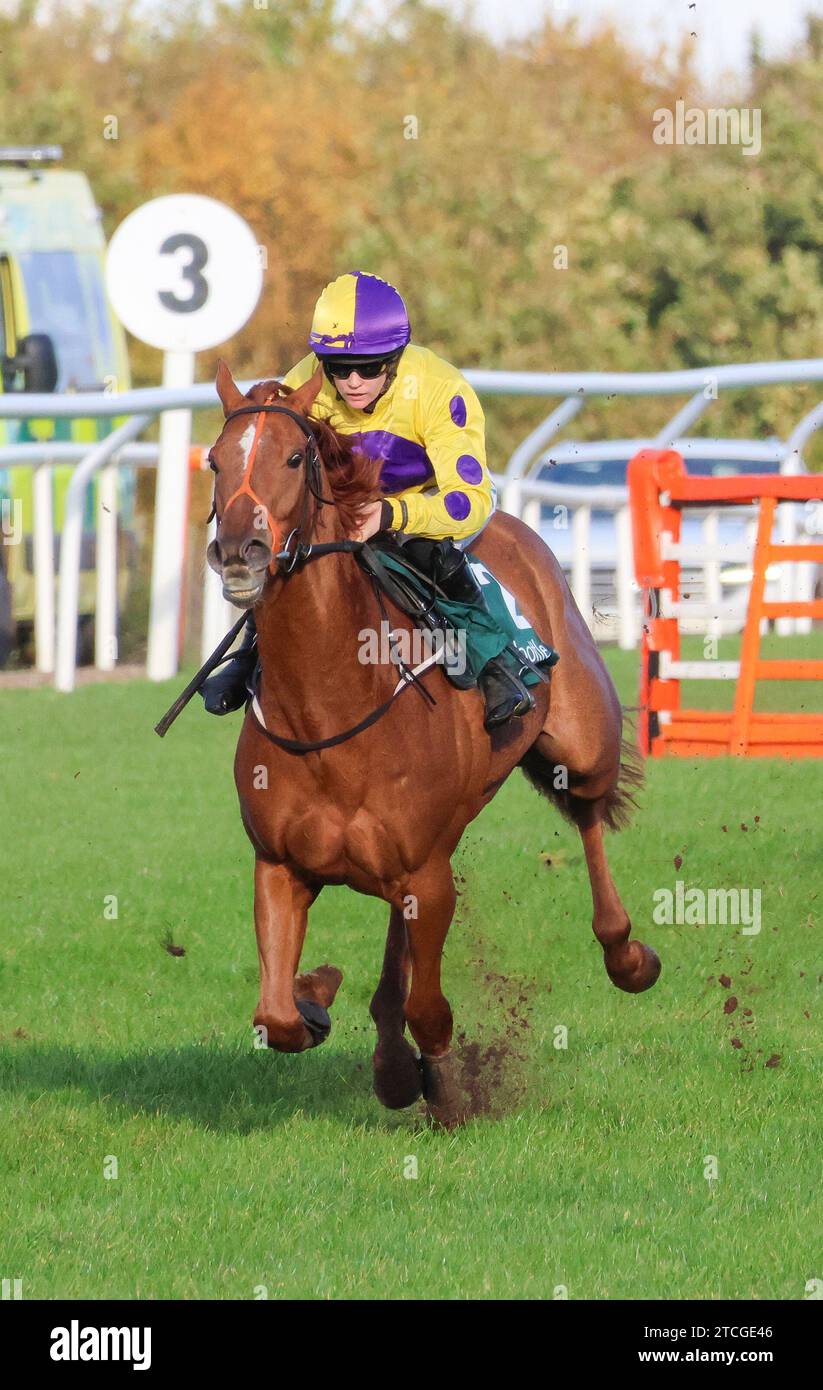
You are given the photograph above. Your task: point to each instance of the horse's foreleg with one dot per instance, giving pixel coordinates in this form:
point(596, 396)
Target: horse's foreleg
point(430, 911)
point(292, 1011)
point(630, 965)
point(398, 1080)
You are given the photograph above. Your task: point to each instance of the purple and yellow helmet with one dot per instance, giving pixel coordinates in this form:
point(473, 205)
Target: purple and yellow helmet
point(359, 315)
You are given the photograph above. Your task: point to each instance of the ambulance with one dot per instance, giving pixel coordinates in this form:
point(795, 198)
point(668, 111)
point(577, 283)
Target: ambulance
point(57, 333)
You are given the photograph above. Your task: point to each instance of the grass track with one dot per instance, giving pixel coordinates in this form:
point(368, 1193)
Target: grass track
point(238, 1168)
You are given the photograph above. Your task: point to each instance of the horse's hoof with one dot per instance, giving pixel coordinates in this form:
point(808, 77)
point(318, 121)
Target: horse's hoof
point(320, 984)
point(284, 1038)
point(638, 970)
point(441, 1091)
point(398, 1076)
point(316, 1019)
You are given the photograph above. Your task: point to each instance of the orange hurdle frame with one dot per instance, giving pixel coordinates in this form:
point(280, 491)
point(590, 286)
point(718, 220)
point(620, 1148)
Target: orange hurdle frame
point(659, 487)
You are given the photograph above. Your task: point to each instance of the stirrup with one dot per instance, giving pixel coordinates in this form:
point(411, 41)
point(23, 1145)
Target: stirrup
point(505, 694)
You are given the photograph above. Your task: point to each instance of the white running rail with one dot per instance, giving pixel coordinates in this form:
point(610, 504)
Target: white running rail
point(524, 492)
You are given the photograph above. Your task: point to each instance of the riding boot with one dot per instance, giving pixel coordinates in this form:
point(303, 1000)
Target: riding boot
point(505, 695)
point(227, 690)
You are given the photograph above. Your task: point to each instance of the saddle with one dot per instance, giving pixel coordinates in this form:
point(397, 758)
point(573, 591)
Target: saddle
point(488, 629)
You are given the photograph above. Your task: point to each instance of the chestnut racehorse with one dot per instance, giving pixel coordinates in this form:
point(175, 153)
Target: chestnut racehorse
point(383, 810)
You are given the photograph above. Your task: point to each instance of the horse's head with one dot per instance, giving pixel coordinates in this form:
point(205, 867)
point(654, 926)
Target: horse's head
point(262, 473)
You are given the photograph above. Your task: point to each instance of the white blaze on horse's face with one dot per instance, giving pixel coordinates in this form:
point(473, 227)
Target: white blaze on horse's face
point(245, 443)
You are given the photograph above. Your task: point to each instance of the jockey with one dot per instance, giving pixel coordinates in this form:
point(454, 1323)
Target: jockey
point(421, 417)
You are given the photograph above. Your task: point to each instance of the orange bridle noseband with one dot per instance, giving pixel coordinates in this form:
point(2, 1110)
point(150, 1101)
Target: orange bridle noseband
point(246, 490)
point(312, 481)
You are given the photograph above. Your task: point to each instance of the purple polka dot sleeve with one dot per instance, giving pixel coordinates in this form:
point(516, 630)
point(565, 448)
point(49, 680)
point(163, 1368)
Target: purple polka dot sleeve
point(454, 437)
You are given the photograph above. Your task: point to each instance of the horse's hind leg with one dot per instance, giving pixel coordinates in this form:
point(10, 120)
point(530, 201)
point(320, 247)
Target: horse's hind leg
point(398, 1079)
point(590, 796)
point(630, 965)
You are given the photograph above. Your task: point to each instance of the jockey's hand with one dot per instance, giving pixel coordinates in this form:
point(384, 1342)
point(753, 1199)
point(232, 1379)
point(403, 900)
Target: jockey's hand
point(369, 521)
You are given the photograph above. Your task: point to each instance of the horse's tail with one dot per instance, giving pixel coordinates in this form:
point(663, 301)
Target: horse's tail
point(620, 802)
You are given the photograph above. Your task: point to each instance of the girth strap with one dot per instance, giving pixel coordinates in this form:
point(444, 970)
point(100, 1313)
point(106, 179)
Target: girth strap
point(408, 677)
point(293, 745)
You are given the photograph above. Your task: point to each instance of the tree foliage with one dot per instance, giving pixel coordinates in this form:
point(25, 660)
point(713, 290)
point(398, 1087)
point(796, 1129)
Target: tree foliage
point(513, 192)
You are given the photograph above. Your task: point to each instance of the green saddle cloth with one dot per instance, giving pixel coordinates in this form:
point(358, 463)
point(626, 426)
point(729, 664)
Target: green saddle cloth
point(487, 634)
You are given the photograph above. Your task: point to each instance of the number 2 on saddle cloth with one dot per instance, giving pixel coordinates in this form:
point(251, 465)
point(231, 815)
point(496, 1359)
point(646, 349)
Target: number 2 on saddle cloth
point(455, 596)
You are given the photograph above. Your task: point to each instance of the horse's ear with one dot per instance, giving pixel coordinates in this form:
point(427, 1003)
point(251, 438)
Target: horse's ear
point(304, 397)
point(231, 397)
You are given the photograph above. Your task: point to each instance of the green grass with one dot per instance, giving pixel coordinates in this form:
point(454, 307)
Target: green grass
point(240, 1168)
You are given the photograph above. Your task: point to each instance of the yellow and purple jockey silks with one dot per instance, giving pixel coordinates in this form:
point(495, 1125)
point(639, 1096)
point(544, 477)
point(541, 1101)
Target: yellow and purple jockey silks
point(428, 429)
point(359, 315)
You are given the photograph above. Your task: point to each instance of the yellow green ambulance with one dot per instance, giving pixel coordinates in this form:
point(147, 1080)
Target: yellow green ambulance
point(57, 333)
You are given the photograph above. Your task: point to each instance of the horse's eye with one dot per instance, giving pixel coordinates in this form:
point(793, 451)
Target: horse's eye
point(212, 464)
point(295, 460)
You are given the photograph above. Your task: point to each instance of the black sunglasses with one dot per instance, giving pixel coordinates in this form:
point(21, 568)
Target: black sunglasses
point(343, 369)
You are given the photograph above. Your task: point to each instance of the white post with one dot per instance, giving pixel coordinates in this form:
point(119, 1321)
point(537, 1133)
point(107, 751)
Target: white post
point(169, 523)
point(711, 572)
point(511, 499)
point(43, 561)
point(796, 581)
point(787, 580)
point(804, 587)
point(627, 633)
point(530, 513)
point(105, 609)
point(71, 543)
point(218, 613)
point(581, 572)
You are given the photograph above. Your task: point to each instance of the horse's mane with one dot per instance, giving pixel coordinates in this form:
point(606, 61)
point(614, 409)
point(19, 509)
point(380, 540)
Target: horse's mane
point(353, 477)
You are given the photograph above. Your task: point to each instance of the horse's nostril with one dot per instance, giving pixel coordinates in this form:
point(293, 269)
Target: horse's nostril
point(214, 556)
point(255, 553)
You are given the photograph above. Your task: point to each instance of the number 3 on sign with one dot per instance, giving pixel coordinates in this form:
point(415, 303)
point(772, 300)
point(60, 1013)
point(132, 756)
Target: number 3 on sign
point(199, 289)
point(184, 273)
